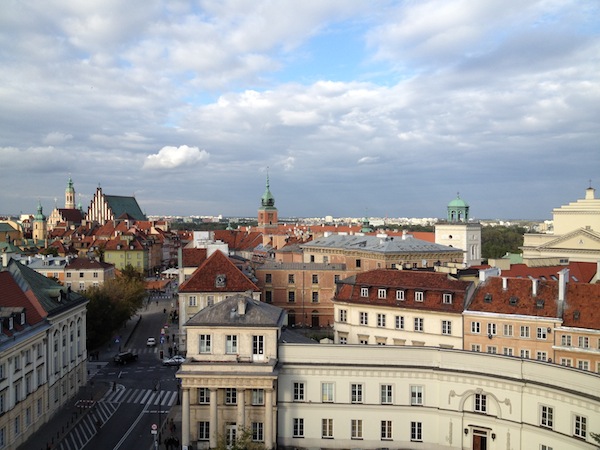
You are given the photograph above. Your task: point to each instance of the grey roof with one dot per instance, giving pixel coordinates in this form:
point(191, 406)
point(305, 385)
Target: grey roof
point(226, 314)
point(376, 244)
point(290, 336)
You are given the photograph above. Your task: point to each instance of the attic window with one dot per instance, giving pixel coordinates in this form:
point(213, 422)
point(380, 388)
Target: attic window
point(576, 315)
point(10, 323)
point(23, 318)
point(513, 300)
point(488, 298)
point(539, 303)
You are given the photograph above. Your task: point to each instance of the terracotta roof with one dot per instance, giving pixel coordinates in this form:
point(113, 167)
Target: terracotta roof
point(517, 298)
point(71, 215)
point(582, 308)
point(204, 277)
point(579, 272)
point(85, 263)
point(239, 240)
point(193, 257)
point(13, 296)
point(433, 285)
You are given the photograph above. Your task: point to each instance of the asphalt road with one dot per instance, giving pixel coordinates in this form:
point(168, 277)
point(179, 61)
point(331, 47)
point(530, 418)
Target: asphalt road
point(140, 395)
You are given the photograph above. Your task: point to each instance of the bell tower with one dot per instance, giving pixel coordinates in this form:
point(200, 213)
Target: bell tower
point(70, 195)
point(39, 224)
point(267, 213)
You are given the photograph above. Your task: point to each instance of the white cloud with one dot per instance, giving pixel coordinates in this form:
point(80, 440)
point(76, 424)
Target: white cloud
point(368, 160)
point(57, 138)
point(174, 157)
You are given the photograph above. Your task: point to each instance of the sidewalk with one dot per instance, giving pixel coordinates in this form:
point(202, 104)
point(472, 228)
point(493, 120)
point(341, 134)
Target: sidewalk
point(52, 432)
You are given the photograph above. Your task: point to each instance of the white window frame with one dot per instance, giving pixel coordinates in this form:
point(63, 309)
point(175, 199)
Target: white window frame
point(399, 322)
point(381, 293)
point(579, 426)
point(400, 295)
point(524, 332)
point(192, 300)
point(475, 327)
point(508, 329)
point(542, 333)
point(364, 291)
point(356, 393)
point(419, 296)
point(205, 344)
point(386, 394)
point(343, 315)
point(327, 392)
point(231, 344)
point(356, 429)
point(298, 427)
point(363, 318)
point(386, 430)
point(416, 395)
point(416, 432)
point(299, 390)
point(447, 299)
point(419, 324)
point(491, 329)
point(547, 416)
point(258, 397)
point(326, 428)
point(480, 403)
point(447, 327)
point(381, 320)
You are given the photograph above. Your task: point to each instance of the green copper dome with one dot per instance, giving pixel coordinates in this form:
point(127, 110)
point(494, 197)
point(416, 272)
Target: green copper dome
point(458, 210)
point(458, 203)
point(267, 200)
point(40, 214)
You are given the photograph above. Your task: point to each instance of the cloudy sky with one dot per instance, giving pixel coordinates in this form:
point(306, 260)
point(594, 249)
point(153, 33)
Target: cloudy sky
point(353, 108)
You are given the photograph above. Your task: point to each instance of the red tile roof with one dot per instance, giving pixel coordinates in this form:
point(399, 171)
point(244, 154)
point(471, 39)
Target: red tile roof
point(13, 296)
point(193, 257)
point(203, 278)
point(579, 272)
point(582, 308)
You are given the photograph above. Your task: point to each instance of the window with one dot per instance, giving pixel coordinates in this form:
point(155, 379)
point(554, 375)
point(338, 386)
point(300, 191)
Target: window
point(416, 395)
point(381, 320)
point(356, 429)
point(291, 297)
point(475, 347)
point(580, 426)
point(68, 274)
point(2, 402)
point(419, 324)
point(203, 431)
point(363, 318)
point(205, 343)
point(203, 396)
point(525, 353)
point(475, 327)
point(507, 351)
point(447, 299)
point(298, 392)
point(542, 333)
point(524, 332)
point(565, 340)
point(541, 356)
point(258, 345)
point(315, 279)
point(230, 396)
point(356, 393)
point(399, 322)
point(492, 349)
point(508, 329)
point(192, 300)
point(258, 397)
point(545, 447)
point(257, 432)
point(446, 327)
point(418, 296)
point(327, 428)
point(315, 297)
point(400, 295)
point(343, 315)
point(268, 296)
point(568, 362)
point(210, 300)
point(358, 264)
point(583, 364)
point(327, 392)
point(386, 430)
point(480, 403)
point(268, 278)
point(583, 342)
point(343, 340)
point(416, 431)
point(312, 258)
point(290, 278)
point(491, 329)
point(381, 293)
point(546, 416)
point(80, 274)
point(231, 344)
point(17, 363)
point(298, 427)
point(387, 391)
point(364, 292)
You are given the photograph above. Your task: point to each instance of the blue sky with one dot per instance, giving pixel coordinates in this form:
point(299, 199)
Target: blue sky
point(384, 108)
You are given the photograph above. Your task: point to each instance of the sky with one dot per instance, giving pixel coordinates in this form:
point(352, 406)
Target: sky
point(351, 108)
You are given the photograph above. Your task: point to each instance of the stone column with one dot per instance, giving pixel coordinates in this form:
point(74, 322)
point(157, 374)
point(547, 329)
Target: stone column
point(185, 416)
point(214, 432)
point(241, 409)
point(269, 418)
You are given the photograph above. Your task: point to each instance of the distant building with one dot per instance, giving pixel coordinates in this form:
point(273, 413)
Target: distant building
point(85, 273)
point(104, 208)
point(69, 216)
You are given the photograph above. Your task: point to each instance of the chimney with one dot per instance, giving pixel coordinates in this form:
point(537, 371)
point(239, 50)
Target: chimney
point(534, 286)
point(241, 306)
point(563, 279)
point(403, 235)
point(504, 283)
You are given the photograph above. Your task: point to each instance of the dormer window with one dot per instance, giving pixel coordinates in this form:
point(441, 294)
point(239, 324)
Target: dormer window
point(220, 281)
point(381, 293)
point(364, 292)
point(539, 303)
point(487, 298)
point(23, 318)
point(447, 299)
point(11, 323)
point(400, 295)
point(419, 296)
point(513, 301)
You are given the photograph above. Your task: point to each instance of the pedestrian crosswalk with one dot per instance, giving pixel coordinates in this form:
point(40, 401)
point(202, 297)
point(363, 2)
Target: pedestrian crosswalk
point(141, 396)
point(89, 425)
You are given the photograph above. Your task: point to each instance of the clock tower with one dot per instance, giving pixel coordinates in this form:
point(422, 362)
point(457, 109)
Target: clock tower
point(267, 213)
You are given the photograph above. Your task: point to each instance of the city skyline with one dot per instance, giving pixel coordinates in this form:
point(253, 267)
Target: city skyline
point(384, 109)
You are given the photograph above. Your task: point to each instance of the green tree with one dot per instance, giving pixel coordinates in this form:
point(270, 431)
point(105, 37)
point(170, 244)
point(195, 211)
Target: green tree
point(53, 251)
point(111, 305)
point(596, 437)
point(243, 441)
point(497, 241)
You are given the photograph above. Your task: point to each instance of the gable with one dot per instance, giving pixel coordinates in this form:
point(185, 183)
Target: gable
point(581, 239)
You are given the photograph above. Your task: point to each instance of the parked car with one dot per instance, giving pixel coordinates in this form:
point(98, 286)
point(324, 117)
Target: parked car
point(125, 357)
point(151, 342)
point(176, 360)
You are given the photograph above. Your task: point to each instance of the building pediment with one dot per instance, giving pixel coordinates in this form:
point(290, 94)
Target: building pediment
point(582, 238)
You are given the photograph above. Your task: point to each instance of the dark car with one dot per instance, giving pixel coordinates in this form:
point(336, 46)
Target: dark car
point(125, 357)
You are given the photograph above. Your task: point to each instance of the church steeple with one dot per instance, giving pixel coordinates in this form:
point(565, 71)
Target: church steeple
point(70, 195)
point(39, 224)
point(267, 213)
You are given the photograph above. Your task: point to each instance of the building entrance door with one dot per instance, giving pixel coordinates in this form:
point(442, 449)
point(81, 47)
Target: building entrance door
point(230, 434)
point(479, 440)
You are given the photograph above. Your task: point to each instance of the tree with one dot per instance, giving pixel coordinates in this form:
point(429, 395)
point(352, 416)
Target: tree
point(498, 241)
point(243, 441)
point(596, 437)
point(111, 305)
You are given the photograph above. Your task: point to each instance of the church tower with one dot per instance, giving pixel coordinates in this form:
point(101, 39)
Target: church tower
point(70, 195)
point(458, 232)
point(39, 224)
point(267, 213)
